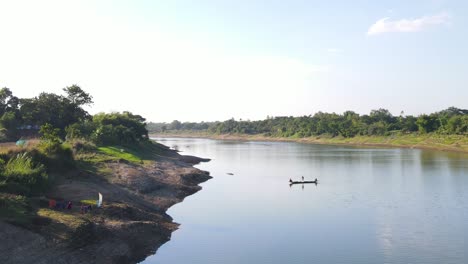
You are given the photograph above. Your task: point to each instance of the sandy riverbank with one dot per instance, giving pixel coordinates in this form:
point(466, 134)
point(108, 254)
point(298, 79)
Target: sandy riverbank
point(131, 225)
point(451, 143)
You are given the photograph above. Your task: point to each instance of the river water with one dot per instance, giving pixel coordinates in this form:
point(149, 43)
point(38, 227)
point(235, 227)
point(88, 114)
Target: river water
point(372, 205)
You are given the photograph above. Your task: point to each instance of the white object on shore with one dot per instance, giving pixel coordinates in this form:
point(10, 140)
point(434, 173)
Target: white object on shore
point(99, 202)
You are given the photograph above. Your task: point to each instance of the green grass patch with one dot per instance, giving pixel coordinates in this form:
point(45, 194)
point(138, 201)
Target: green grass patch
point(137, 153)
point(88, 202)
point(95, 157)
point(94, 161)
point(65, 225)
point(432, 140)
point(120, 153)
point(66, 218)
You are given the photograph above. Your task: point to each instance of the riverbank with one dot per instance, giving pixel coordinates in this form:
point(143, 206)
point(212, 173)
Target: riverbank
point(138, 186)
point(453, 143)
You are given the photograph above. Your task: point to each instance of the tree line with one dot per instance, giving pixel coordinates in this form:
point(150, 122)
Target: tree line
point(64, 117)
point(349, 124)
point(63, 126)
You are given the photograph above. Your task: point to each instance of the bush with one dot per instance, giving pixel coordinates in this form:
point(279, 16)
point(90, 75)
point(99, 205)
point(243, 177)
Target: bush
point(50, 133)
point(56, 156)
point(24, 176)
point(80, 146)
point(82, 130)
point(119, 129)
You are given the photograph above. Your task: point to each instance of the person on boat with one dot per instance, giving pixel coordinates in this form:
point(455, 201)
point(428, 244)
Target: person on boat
point(290, 181)
point(316, 180)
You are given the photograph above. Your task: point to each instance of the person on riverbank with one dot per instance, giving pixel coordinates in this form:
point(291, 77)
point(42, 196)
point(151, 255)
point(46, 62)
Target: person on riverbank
point(52, 203)
point(302, 178)
point(290, 181)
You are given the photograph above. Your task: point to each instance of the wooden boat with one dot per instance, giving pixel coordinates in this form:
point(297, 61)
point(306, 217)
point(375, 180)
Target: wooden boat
point(303, 182)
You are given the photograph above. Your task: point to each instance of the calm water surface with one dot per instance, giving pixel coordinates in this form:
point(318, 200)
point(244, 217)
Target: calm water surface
point(370, 206)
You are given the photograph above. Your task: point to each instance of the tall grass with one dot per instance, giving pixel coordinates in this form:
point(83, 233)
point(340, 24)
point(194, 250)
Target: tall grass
point(22, 175)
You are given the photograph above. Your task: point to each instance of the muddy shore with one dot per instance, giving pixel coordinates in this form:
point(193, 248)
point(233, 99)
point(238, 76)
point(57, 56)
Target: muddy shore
point(131, 225)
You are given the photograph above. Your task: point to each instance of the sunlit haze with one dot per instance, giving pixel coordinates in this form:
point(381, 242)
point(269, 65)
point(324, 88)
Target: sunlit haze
point(214, 60)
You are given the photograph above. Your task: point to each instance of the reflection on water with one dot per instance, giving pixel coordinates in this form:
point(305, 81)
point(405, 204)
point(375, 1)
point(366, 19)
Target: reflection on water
point(371, 205)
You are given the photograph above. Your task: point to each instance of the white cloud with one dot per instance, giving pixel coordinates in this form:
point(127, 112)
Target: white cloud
point(385, 25)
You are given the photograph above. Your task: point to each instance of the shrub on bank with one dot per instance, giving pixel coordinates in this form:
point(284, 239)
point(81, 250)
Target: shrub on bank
point(55, 156)
point(22, 175)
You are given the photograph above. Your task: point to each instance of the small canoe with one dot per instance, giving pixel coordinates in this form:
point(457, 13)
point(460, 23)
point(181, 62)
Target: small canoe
point(302, 182)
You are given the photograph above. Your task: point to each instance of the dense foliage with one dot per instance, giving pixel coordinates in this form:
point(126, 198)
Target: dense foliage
point(60, 121)
point(110, 129)
point(60, 117)
point(349, 124)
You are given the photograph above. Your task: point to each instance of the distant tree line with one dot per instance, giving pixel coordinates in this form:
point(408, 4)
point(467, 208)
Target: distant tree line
point(349, 124)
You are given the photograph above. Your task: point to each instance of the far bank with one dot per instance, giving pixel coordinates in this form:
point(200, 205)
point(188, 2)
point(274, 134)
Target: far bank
point(430, 141)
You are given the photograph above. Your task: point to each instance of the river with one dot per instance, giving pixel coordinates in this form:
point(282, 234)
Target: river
point(371, 205)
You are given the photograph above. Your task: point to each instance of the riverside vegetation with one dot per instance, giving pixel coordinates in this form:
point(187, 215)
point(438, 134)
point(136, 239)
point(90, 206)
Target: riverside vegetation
point(446, 129)
point(53, 149)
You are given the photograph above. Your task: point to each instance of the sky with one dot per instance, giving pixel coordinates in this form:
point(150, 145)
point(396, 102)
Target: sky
point(245, 59)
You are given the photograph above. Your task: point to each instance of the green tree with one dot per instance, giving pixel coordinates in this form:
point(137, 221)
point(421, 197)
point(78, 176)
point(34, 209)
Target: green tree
point(8, 102)
point(10, 117)
point(50, 134)
point(427, 123)
point(77, 96)
point(175, 125)
point(59, 111)
point(458, 124)
point(9, 121)
point(119, 128)
point(408, 124)
point(382, 115)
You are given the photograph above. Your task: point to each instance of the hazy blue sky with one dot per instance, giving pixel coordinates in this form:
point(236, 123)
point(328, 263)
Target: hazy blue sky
point(213, 60)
